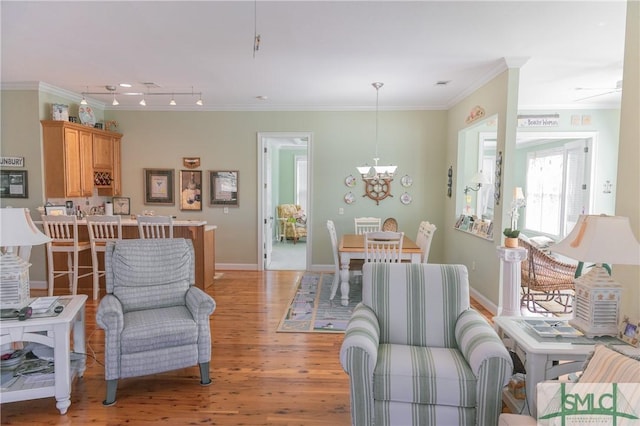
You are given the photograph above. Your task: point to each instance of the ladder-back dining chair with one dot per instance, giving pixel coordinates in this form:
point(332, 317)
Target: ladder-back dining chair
point(367, 224)
point(424, 238)
point(383, 247)
point(155, 226)
point(336, 259)
point(63, 231)
point(101, 230)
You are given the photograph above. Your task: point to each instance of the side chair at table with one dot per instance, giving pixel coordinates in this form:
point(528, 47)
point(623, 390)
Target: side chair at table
point(63, 231)
point(101, 230)
point(336, 259)
point(367, 224)
point(424, 238)
point(383, 247)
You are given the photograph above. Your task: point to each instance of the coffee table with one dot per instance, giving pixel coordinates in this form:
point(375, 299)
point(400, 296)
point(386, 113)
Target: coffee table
point(55, 332)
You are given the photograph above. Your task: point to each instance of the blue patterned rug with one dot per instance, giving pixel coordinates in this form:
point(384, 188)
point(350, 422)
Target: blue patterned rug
point(311, 311)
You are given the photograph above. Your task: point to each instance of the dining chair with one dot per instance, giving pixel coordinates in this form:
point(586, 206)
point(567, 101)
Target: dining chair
point(155, 226)
point(63, 231)
point(424, 238)
point(383, 247)
point(336, 259)
point(101, 230)
point(367, 224)
point(390, 224)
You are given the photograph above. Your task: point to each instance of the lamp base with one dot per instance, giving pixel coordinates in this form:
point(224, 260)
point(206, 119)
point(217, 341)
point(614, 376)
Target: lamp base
point(597, 303)
point(14, 282)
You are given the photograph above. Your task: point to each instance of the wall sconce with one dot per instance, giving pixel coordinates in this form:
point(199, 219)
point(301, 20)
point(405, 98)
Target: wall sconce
point(477, 180)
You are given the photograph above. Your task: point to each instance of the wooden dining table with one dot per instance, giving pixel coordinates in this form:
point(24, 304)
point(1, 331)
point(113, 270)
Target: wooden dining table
point(352, 247)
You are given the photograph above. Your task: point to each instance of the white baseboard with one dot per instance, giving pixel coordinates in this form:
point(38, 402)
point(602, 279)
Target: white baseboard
point(488, 305)
point(38, 285)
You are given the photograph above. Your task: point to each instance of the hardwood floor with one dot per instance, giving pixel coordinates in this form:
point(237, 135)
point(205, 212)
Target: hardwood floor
point(260, 377)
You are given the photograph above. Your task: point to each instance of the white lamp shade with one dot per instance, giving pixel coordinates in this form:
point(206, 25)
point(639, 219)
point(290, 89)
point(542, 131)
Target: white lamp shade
point(517, 193)
point(17, 229)
point(601, 239)
point(480, 178)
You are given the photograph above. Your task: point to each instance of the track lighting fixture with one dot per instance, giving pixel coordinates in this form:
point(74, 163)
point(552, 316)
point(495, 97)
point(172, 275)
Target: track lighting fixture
point(173, 101)
point(115, 101)
point(84, 101)
point(143, 102)
point(145, 94)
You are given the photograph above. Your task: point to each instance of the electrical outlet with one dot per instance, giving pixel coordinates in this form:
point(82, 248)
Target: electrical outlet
point(225, 210)
point(473, 265)
point(340, 210)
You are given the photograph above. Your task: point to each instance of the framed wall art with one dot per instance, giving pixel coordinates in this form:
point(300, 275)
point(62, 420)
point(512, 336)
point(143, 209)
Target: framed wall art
point(191, 190)
point(13, 184)
point(159, 186)
point(121, 206)
point(224, 188)
point(629, 331)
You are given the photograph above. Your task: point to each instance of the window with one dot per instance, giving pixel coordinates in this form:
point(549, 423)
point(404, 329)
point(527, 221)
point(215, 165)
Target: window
point(556, 190)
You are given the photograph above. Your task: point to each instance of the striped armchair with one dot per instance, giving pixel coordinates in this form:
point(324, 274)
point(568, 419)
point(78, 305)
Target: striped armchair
point(154, 318)
point(417, 354)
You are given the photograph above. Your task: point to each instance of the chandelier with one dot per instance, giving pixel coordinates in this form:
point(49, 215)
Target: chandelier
point(377, 178)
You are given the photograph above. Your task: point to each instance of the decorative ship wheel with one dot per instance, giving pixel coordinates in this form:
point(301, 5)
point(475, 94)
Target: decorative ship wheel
point(378, 189)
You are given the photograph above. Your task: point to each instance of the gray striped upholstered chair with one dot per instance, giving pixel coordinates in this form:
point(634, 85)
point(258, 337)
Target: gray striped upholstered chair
point(155, 319)
point(416, 354)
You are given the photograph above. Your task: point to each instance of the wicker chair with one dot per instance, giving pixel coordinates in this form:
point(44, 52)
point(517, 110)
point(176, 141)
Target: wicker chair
point(546, 279)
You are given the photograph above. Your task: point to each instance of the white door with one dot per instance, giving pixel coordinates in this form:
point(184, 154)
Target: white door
point(268, 208)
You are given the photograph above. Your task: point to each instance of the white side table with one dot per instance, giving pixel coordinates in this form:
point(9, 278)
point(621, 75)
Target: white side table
point(541, 356)
point(54, 332)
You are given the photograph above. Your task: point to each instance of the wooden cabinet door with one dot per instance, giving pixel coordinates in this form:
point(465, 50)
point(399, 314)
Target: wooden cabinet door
point(102, 152)
point(72, 164)
point(117, 167)
point(86, 163)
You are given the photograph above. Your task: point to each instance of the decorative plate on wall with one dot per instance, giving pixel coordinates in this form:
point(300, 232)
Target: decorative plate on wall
point(350, 181)
point(406, 181)
point(349, 198)
point(406, 198)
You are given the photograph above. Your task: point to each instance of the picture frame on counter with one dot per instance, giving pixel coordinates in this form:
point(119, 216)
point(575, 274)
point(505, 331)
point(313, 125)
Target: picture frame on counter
point(630, 331)
point(14, 184)
point(224, 188)
point(121, 206)
point(159, 187)
point(55, 210)
point(191, 190)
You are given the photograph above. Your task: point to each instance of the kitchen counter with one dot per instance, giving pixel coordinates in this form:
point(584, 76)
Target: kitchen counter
point(201, 234)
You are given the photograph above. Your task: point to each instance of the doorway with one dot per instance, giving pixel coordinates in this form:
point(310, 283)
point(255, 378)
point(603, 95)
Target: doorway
point(284, 177)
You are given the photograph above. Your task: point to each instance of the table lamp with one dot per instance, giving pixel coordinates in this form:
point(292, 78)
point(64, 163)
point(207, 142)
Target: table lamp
point(599, 239)
point(16, 229)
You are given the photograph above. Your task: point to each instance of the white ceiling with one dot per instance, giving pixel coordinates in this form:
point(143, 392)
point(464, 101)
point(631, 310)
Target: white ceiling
point(316, 54)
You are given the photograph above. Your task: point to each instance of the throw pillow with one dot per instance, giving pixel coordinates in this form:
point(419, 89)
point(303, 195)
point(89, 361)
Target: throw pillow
point(606, 365)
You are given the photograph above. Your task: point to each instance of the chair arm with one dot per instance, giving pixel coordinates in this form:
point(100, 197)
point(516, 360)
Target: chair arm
point(200, 304)
point(362, 334)
point(110, 318)
point(358, 356)
point(489, 360)
point(478, 342)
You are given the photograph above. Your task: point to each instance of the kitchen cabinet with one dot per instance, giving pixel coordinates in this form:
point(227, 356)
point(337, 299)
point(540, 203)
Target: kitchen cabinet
point(78, 159)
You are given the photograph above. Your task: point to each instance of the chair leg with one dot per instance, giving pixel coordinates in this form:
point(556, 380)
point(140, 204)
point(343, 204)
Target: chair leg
point(205, 380)
point(112, 387)
point(96, 274)
point(76, 272)
point(51, 274)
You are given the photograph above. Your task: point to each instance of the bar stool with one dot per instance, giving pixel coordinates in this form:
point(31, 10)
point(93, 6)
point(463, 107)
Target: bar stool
point(63, 231)
point(154, 226)
point(101, 230)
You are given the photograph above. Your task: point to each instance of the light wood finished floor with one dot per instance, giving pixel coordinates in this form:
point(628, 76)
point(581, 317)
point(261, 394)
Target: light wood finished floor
point(260, 377)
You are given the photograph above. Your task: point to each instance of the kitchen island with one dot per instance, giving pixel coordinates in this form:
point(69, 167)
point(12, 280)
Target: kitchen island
point(201, 234)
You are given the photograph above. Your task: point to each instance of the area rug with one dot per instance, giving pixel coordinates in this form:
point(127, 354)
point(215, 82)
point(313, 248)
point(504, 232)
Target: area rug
point(311, 311)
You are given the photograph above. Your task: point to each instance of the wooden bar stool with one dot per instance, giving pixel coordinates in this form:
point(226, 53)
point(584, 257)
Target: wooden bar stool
point(101, 230)
point(63, 231)
point(155, 226)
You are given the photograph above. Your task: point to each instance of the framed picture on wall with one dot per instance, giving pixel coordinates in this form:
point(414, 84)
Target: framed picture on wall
point(13, 184)
point(191, 190)
point(224, 188)
point(121, 206)
point(158, 186)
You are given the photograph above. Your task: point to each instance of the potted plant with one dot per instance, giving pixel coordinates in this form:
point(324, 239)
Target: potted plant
point(512, 237)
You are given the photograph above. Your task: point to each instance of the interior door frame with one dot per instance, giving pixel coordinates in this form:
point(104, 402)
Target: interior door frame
point(262, 145)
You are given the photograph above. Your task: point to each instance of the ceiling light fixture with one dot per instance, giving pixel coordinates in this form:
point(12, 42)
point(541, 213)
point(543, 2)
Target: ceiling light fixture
point(377, 178)
point(173, 101)
point(113, 91)
point(143, 102)
point(199, 101)
point(127, 85)
point(84, 101)
point(115, 101)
